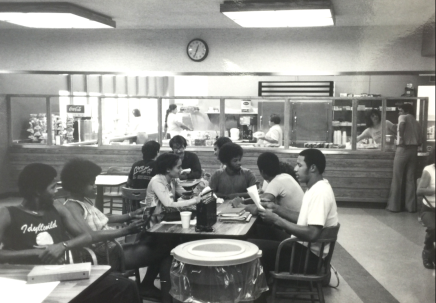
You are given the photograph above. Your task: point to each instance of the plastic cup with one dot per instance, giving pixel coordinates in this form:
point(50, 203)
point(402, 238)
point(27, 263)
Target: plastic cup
point(186, 218)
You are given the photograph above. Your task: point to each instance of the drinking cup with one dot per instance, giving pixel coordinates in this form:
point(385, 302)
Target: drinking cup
point(186, 218)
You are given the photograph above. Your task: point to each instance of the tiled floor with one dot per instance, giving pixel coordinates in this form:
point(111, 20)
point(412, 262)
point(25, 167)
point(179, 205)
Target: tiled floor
point(378, 258)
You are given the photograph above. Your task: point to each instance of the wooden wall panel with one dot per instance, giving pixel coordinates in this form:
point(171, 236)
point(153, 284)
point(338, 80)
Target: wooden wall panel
point(359, 177)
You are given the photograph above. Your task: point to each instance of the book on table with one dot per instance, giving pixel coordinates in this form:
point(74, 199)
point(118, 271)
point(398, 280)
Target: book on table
point(50, 273)
point(233, 212)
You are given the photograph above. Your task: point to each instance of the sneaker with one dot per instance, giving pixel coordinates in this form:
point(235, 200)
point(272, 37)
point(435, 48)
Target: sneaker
point(427, 259)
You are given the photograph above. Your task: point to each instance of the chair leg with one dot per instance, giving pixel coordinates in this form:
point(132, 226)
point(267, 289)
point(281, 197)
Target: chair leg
point(137, 277)
point(274, 291)
point(111, 205)
point(312, 297)
point(320, 292)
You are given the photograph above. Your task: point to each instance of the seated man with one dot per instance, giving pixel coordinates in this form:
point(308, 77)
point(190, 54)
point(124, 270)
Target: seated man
point(218, 144)
point(189, 160)
point(282, 189)
point(143, 170)
point(233, 180)
point(318, 210)
point(34, 232)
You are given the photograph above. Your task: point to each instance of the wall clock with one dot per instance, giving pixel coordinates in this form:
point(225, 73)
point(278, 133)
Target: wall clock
point(197, 50)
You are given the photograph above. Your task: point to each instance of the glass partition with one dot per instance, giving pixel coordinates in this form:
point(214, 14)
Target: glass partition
point(28, 120)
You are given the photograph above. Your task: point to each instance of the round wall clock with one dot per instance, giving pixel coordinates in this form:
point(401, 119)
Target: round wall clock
point(197, 50)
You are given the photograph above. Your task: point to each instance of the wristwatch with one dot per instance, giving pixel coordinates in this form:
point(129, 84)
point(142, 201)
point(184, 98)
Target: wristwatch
point(65, 245)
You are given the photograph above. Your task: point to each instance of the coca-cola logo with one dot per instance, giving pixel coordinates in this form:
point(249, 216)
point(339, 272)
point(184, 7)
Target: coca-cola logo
point(75, 109)
point(246, 103)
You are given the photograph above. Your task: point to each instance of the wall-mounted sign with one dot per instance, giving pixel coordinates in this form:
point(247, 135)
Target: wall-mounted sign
point(77, 110)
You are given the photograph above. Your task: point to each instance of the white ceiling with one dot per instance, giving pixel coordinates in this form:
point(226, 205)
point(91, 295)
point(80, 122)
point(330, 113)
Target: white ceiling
point(188, 14)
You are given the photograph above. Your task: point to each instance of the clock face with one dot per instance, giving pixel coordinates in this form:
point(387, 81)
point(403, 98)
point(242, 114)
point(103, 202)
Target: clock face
point(197, 50)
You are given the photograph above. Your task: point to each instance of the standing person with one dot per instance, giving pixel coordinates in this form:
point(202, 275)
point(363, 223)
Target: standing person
point(139, 127)
point(142, 171)
point(274, 137)
point(408, 140)
point(172, 124)
point(233, 180)
point(78, 178)
point(374, 130)
point(318, 210)
point(217, 145)
point(189, 160)
point(426, 188)
point(23, 243)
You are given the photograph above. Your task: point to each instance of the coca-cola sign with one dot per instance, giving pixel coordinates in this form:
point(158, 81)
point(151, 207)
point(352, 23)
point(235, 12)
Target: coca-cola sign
point(76, 109)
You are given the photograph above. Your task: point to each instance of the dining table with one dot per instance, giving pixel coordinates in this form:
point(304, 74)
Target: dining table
point(234, 230)
point(64, 292)
point(107, 180)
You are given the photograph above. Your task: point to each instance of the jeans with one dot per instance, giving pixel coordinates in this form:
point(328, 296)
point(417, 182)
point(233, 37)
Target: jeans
point(404, 165)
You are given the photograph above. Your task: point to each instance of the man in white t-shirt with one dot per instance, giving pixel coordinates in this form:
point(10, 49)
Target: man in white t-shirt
point(318, 210)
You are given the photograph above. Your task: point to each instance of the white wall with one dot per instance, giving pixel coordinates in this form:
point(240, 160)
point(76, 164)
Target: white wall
point(299, 51)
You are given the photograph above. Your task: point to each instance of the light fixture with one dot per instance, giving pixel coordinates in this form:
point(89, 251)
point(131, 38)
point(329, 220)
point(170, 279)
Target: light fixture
point(52, 15)
point(284, 13)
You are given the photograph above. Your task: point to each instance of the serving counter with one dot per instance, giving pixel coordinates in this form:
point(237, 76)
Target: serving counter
point(356, 176)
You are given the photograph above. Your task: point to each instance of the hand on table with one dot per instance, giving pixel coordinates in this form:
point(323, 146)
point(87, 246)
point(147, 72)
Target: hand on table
point(53, 254)
point(237, 202)
point(136, 226)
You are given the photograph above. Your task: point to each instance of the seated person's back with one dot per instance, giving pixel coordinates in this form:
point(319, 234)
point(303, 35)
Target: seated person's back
point(142, 171)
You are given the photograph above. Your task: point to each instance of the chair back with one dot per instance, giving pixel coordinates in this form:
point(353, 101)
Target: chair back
point(328, 236)
point(132, 197)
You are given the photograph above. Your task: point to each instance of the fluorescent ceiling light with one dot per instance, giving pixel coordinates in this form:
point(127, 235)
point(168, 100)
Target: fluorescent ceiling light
point(294, 13)
point(53, 15)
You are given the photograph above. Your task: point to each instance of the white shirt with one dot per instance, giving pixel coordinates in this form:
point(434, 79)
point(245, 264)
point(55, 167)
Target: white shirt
point(431, 170)
point(173, 123)
point(275, 133)
point(287, 191)
point(319, 208)
point(138, 125)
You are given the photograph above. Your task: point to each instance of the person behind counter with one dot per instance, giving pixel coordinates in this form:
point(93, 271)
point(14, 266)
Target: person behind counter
point(189, 160)
point(426, 188)
point(217, 145)
point(142, 171)
point(274, 137)
point(78, 177)
point(406, 154)
point(37, 185)
point(374, 130)
point(139, 127)
point(233, 180)
point(173, 125)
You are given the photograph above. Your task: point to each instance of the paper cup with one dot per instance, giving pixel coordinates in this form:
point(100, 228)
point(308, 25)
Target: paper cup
point(186, 218)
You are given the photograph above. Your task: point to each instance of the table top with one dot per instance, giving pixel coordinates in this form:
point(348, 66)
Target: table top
point(110, 180)
point(221, 229)
point(65, 291)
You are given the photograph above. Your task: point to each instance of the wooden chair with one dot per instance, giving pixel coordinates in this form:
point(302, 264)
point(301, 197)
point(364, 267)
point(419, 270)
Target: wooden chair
point(113, 193)
point(327, 236)
point(131, 198)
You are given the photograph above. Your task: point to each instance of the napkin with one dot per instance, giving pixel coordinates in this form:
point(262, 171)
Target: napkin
point(254, 195)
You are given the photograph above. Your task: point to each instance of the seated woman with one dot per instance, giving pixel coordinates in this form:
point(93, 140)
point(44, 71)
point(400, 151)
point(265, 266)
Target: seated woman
point(164, 188)
point(78, 177)
point(374, 130)
point(233, 180)
point(189, 160)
